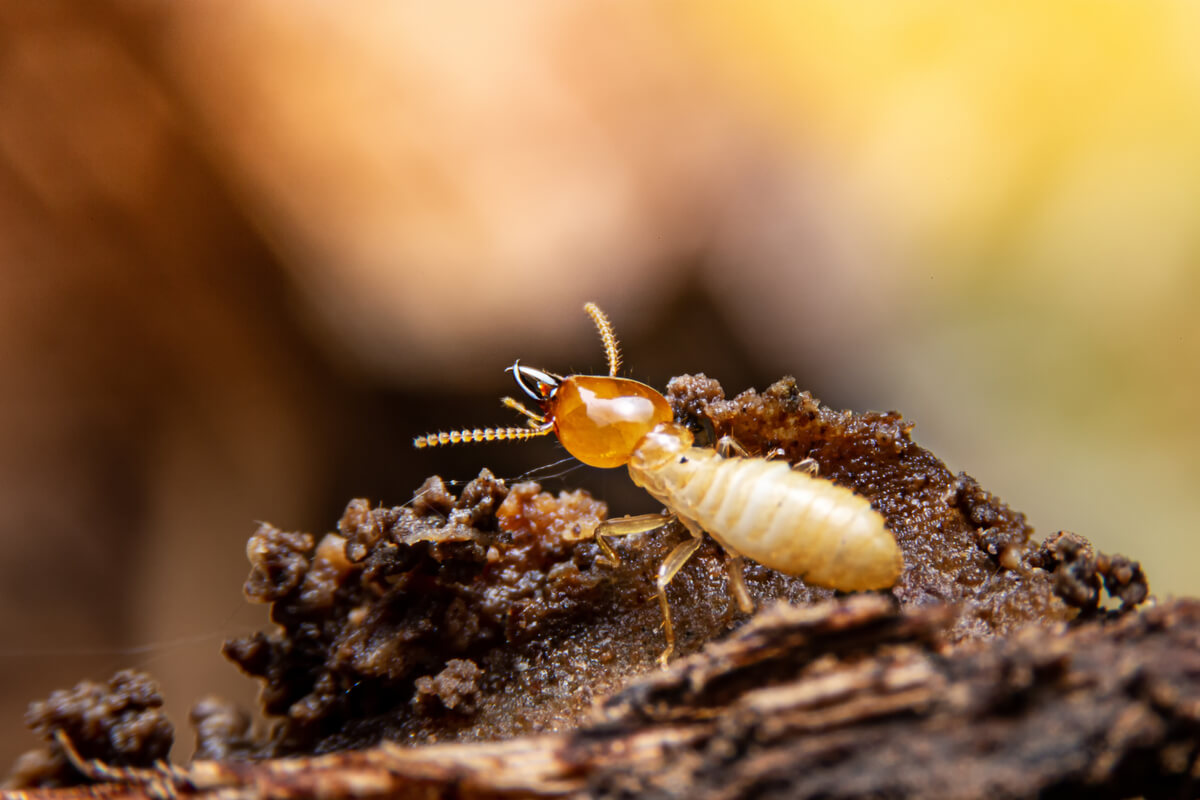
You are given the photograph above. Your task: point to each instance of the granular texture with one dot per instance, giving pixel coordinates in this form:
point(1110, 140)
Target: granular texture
point(491, 613)
point(397, 625)
point(1079, 572)
point(119, 722)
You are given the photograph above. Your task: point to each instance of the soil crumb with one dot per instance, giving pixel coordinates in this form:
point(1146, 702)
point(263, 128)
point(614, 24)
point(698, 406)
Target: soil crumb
point(120, 723)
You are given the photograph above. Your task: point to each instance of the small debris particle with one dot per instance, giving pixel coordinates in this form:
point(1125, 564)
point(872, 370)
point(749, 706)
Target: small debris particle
point(455, 688)
point(222, 730)
point(120, 723)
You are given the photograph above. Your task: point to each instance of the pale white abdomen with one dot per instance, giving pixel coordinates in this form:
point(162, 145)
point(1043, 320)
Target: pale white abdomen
point(784, 519)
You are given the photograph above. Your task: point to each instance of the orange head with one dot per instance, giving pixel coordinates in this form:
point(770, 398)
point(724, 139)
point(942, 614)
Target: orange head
point(599, 419)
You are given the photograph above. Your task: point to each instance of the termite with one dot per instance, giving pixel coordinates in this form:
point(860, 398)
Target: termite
point(785, 518)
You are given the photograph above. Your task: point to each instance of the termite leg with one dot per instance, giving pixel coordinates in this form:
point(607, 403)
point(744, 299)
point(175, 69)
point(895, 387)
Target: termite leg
point(733, 566)
point(666, 571)
point(728, 445)
point(693, 527)
point(808, 466)
point(737, 583)
point(520, 408)
point(625, 526)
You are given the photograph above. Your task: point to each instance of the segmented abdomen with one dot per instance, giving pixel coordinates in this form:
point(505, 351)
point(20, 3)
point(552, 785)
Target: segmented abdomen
point(784, 519)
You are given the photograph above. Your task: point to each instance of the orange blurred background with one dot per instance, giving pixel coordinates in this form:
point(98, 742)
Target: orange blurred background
point(248, 251)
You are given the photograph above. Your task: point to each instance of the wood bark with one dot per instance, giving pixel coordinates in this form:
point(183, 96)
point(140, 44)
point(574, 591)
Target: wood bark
point(850, 698)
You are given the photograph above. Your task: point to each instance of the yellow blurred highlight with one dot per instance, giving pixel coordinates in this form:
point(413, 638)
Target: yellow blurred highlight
point(1036, 167)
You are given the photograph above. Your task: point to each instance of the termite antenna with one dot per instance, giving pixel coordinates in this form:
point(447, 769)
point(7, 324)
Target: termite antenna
point(611, 350)
point(480, 435)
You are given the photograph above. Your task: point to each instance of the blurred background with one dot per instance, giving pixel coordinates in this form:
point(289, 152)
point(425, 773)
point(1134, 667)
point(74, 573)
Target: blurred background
point(249, 250)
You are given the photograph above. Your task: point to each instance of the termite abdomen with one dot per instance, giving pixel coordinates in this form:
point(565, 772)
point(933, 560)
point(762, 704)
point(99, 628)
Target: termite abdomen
point(781, 518)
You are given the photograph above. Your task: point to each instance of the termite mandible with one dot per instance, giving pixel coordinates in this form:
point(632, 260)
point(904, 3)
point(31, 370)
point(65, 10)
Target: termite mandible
point(784, 518)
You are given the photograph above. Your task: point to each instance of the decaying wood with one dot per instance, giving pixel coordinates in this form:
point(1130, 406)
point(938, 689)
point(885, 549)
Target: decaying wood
point(849, 698)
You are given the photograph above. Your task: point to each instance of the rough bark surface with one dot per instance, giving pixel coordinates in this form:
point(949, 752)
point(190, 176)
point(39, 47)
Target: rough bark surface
point(849, 698)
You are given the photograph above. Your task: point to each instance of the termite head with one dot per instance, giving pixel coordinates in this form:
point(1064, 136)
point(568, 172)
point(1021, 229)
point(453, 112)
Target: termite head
point(599, 419)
